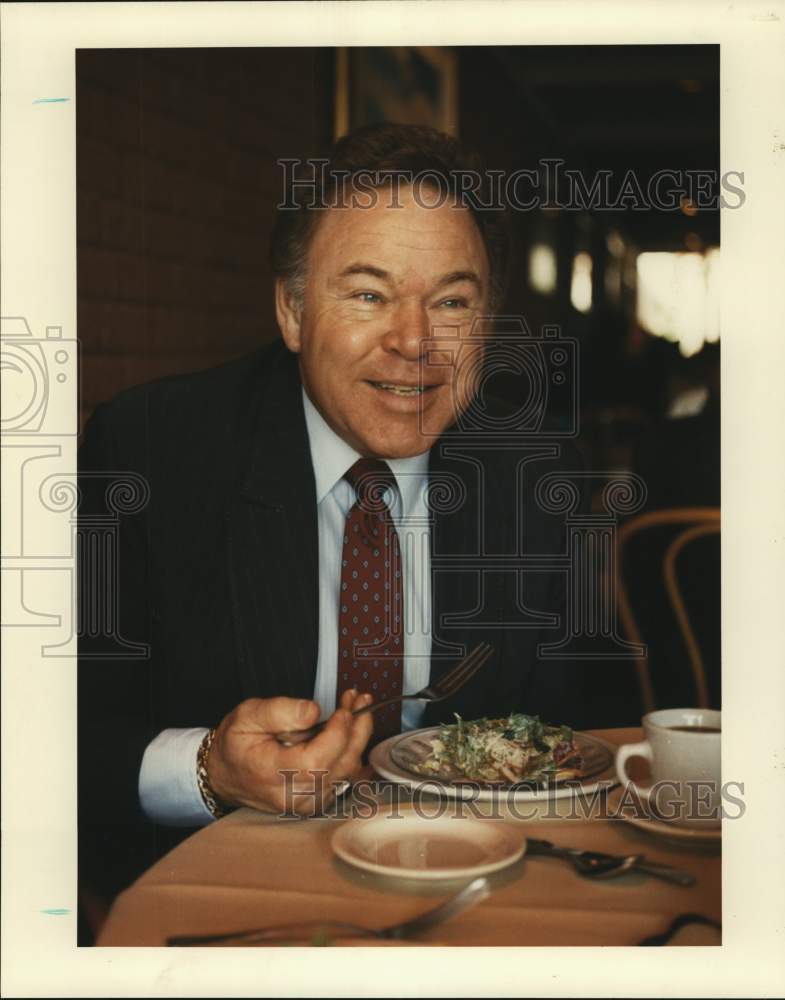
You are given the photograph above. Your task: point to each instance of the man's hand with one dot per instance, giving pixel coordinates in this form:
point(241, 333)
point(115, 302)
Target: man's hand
point(246, 761)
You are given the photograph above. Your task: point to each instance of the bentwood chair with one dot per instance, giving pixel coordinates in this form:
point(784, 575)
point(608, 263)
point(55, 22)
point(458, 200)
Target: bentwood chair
point(690, 523)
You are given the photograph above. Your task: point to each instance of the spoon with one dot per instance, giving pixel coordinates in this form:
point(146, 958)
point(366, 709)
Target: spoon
point(599, 867)
point(593, 864)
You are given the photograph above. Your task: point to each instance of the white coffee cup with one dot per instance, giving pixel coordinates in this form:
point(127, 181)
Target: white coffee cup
point(682, 747)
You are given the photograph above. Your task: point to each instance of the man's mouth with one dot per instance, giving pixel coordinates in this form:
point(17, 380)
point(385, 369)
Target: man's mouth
point(401, 389)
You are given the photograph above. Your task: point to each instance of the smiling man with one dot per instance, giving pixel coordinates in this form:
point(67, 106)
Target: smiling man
point(380, 281)
point(315, 518)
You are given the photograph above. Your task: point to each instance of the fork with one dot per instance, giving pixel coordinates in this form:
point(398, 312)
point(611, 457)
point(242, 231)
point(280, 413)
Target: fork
point(438, 691)
point(321, 931)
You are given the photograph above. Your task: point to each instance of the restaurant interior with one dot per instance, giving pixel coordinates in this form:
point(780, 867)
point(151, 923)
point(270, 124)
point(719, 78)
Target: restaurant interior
point(177, 174)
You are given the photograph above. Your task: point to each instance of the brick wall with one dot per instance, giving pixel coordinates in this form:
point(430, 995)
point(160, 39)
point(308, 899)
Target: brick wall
point(176, 178)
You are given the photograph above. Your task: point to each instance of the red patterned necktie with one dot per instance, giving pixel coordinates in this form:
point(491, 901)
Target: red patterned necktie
point(370, 617)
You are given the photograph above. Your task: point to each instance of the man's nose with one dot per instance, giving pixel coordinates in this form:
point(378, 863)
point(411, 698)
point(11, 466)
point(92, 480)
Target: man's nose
point(408, 331)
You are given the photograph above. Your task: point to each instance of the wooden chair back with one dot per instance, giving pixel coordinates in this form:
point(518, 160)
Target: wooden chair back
point(698, 522)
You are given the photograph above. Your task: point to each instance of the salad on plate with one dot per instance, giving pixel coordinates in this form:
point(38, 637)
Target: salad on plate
point(512, 749)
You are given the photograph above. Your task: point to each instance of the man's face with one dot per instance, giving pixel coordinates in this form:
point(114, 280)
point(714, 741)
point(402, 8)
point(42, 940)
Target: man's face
point(379, 281)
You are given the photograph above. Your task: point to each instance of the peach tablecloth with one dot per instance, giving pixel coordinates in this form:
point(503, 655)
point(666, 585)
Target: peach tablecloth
point(249, 870)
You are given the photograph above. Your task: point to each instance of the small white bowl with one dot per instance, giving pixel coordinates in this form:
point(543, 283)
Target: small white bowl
point(410, 845)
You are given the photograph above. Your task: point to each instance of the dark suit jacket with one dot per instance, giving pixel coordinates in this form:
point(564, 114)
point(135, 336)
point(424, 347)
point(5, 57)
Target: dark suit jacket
point(218, 574)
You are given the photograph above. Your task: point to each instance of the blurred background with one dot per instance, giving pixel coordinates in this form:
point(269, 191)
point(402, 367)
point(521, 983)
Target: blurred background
point(177, 177)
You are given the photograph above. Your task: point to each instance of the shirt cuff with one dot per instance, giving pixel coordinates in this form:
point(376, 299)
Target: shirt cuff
point(168, 789)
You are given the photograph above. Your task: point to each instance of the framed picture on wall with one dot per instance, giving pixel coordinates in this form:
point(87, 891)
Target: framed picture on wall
point(415, 85)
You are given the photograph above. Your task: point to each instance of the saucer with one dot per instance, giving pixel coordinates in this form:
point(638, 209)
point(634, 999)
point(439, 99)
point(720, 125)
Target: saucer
point(697, 833)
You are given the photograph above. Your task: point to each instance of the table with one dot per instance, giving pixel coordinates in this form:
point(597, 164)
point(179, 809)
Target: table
point(250, 869)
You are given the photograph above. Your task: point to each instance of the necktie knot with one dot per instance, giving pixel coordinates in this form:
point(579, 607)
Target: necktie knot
point(370, 477)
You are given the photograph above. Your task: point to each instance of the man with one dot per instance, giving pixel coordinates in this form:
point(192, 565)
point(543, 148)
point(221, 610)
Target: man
point(238, 572)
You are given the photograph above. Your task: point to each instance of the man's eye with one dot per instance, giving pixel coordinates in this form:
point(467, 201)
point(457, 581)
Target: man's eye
point(454, 304)
point(370, 297)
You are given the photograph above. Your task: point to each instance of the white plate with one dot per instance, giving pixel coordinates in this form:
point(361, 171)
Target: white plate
point(411, 845)
point(698, 834)
point(389, 759)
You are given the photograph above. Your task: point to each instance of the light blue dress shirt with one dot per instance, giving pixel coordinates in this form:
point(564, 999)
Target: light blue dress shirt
point(168, 789)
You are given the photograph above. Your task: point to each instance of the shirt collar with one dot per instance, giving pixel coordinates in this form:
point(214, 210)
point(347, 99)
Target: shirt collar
point(332, 456)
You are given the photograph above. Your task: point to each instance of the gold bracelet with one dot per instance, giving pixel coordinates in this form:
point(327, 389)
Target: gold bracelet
point(211, 800)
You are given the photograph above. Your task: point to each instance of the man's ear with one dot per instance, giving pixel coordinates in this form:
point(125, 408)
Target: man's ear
point(289, 315)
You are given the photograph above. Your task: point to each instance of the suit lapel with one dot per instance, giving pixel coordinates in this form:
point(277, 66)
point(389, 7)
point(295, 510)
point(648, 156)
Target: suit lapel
point(482, 524)
point(273, 544)
point(454, 532)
